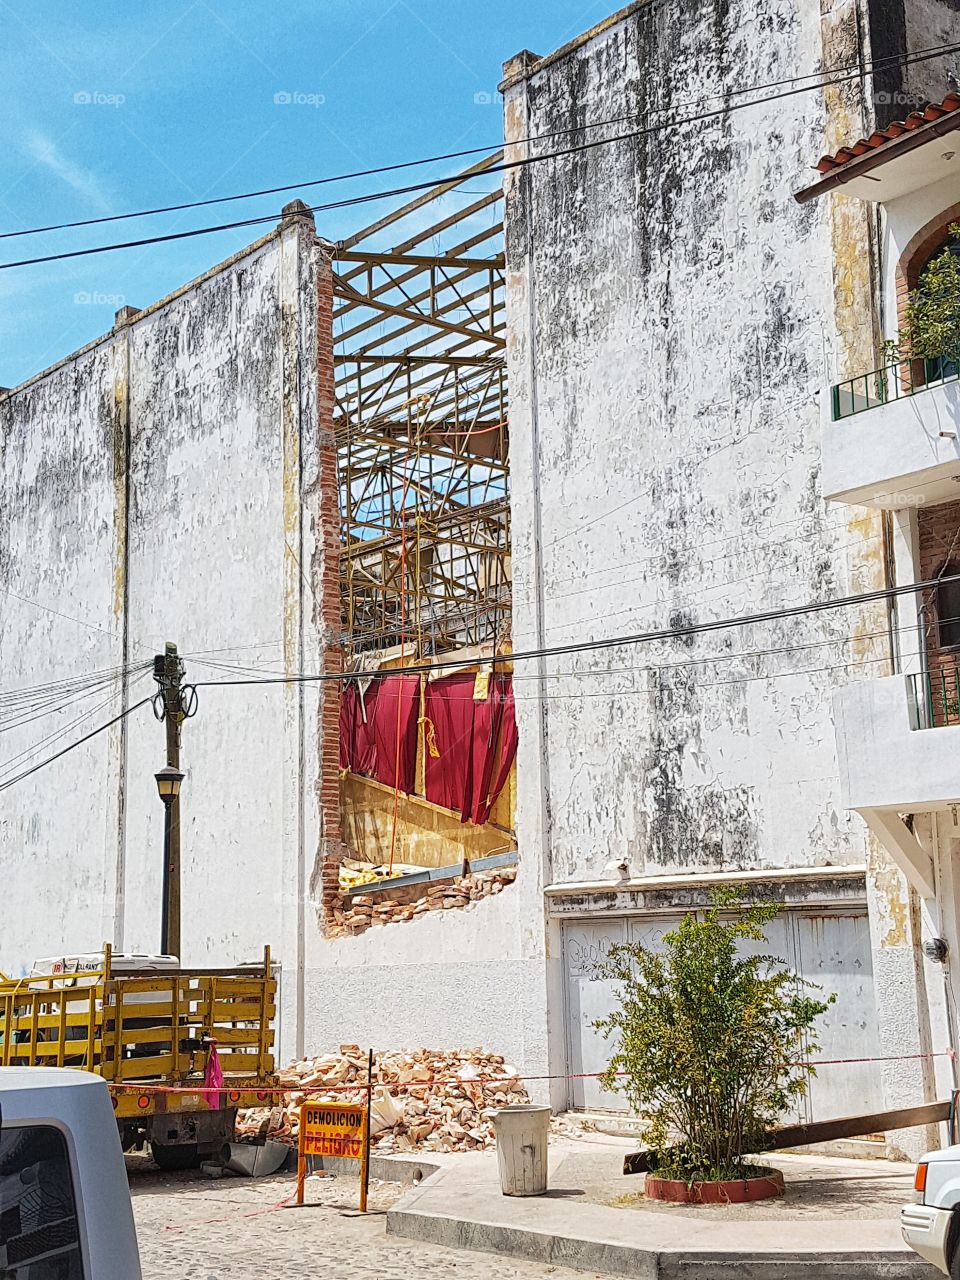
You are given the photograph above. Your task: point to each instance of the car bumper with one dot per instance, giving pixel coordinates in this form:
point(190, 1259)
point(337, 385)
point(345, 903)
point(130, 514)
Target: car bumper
point(925, 1230)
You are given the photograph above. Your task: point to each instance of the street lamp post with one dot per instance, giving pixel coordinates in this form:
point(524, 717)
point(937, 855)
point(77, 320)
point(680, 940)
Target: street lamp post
point(168, 785)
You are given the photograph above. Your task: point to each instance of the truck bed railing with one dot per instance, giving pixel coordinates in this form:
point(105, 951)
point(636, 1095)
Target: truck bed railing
point(128, 1029)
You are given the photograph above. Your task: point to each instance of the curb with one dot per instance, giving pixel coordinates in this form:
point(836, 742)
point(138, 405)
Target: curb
point(615, 1259)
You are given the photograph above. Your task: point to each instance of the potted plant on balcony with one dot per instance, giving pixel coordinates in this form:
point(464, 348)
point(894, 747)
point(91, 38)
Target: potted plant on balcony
point(930, 332)
point(711, 1050)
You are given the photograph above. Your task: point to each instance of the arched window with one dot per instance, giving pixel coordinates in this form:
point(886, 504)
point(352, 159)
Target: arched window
point(948, 608)
point(938, 368)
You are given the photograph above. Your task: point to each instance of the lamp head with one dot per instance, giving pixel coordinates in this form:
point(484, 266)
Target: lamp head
point(168, 783)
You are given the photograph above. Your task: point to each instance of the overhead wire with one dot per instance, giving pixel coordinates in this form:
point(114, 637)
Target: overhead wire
point(37, 605)
point(51, 706)
point(37, 694)
point(859, 637)
point(504, 166)
point(42, 764)
point(708, 563)
point(589, 646)
point(34, 749)
point(642, 637)
point(863, 67)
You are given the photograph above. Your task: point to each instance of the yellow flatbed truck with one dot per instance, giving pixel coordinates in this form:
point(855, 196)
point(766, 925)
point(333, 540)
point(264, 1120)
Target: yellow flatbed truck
point(150, 1037)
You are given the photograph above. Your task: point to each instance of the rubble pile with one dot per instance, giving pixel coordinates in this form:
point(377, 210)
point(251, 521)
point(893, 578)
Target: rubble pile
point(359, 911)
point(424, 1100)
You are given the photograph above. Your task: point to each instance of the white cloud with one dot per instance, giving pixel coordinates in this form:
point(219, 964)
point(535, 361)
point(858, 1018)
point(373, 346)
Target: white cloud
point(45, 152)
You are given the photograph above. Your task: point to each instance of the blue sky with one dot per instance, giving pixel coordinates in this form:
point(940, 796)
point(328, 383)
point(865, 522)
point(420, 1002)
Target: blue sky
point(118, 106)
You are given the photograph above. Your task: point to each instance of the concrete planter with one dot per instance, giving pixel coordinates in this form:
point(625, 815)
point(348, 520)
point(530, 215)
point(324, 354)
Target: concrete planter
point(765, 1186)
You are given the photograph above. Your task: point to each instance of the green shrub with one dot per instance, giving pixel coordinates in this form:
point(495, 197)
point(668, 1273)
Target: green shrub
point(710, 1043)
point(931, 321)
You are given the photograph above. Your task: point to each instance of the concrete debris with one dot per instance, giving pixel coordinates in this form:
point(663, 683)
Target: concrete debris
point(427, 1100)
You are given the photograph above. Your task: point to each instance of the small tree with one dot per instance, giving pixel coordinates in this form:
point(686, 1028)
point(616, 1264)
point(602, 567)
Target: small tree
point(931, 321)
point(710, 1042)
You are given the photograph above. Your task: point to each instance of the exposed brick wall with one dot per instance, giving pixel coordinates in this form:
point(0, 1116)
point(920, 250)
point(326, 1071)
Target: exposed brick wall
point(939, 545)
point(355, 913)
point(327, 593)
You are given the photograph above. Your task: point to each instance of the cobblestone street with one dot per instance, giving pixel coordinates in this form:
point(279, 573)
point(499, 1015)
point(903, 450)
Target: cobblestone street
point(191, 1228)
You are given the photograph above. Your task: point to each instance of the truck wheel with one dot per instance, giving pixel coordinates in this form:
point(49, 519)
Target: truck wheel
point(953, 1252)
point(184, 1155)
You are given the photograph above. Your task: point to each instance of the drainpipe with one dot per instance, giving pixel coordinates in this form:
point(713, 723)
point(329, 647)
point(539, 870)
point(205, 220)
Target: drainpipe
point(946, 967)
point(924, 667)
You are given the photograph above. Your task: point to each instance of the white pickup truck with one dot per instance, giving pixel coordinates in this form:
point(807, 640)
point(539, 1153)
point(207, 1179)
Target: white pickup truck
point(65, 1210)
point(931, 1226)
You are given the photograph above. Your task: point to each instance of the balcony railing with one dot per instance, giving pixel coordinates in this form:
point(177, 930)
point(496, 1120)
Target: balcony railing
point(934, 697)
point(891, 382)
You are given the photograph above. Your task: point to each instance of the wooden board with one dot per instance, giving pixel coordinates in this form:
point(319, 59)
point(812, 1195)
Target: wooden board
point(802, 1135)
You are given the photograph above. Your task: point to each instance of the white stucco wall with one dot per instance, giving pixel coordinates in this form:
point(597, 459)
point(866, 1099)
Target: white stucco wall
point(673, 318)
point(157, 488)
point(471, 976)
point(669, 311)
point(164, 486)
point(60, 546)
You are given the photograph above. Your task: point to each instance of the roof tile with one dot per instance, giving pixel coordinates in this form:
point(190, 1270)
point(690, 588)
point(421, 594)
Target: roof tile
point(934, 111)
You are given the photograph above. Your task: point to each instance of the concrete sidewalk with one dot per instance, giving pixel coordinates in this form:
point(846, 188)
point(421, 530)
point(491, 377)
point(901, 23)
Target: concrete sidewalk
point(813, 1234)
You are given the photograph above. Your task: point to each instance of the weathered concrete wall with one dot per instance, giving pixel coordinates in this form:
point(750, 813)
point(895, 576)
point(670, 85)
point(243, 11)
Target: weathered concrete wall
point(178, 481)
point(61, 614)
point(673, 316)
point(156, 487)
point(679, 308)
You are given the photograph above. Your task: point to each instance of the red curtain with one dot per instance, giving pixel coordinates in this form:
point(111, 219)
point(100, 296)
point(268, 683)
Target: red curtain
point(449, 707)
point(476, 741)
point(369, 730)
point(477, 744)
point(395, 720)
point(505, 755)
point(357, 746)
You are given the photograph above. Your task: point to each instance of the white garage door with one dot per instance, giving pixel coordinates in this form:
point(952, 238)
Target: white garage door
point(832, 950)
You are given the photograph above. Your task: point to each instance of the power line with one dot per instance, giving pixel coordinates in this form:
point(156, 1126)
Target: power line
point(861, 67)
point(596, 587)
point(80, 741)
point(39, 692)
point(52, 705)
point(31, 751)
point(643, 637)
point(9, 782)
point(584, 646)
point(701, 593)
point(46, 609)
point(453, 180)
point(602, 672)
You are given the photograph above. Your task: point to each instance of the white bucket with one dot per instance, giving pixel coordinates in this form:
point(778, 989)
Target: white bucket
point(522, 1149)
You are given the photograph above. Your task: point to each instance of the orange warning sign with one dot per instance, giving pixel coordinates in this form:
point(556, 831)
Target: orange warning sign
point(332, 1129)
point(340, 1129)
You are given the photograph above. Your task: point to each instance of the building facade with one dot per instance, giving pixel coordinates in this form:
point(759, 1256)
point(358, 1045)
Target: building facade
point(674, 318)
point(699, 469)
point(186, 478)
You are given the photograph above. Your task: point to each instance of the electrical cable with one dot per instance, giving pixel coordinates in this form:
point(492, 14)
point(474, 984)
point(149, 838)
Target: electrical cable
point(36, 747)
point(703, 593)
point(504, 166)
point(698, 685)
point(29, 694)
point(642, 637)
point(866, 67)
point(602, 672)
point(51, 706)
point(79, 621)
point(10, 782)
